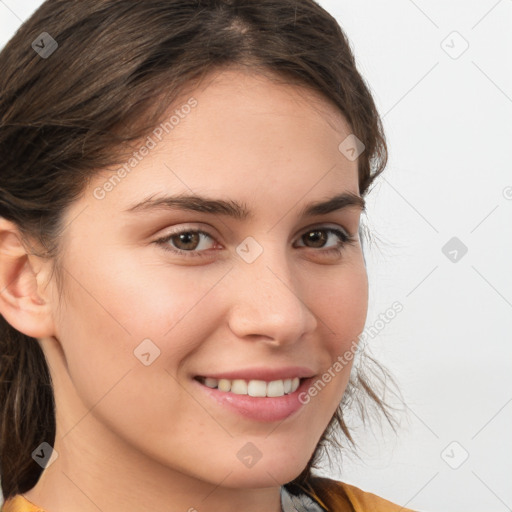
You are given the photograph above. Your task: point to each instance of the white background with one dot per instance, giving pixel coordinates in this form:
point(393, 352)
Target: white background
point(448, 120)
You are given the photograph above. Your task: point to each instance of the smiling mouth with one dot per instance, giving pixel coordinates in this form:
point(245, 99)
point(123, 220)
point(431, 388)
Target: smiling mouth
point(254, 388)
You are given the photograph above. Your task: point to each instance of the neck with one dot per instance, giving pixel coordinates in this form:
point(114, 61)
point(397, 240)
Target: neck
point(98, 472)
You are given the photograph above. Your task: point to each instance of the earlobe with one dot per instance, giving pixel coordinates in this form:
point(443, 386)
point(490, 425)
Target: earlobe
point(22, 303)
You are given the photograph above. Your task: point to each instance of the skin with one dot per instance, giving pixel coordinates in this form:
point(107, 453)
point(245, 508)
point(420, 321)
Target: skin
point(132, 437)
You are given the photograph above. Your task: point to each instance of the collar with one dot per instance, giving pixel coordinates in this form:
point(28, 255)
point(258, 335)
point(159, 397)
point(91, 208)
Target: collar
point(298, 499)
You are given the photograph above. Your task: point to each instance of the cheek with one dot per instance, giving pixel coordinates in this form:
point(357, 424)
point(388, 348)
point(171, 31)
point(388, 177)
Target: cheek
point(107, 313)
point(110, 311)
point(101, 327)
point(340, 301)
point(136, 300)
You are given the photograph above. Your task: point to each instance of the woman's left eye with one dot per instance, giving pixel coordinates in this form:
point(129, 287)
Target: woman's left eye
point(191, 240)
point(317, 235)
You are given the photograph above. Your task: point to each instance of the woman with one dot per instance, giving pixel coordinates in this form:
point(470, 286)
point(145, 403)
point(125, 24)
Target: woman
point(183, 282)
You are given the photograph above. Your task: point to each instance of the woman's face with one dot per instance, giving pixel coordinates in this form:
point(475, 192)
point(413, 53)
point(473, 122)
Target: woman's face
point(139, 322)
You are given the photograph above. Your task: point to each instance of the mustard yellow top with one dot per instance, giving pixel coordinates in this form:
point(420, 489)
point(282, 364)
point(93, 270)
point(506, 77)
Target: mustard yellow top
point(328, 494)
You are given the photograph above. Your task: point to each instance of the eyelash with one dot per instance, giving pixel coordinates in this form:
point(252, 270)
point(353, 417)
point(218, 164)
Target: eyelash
point(345, 238)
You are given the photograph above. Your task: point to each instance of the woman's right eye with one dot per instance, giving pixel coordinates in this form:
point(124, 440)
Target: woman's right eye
point(184, 237)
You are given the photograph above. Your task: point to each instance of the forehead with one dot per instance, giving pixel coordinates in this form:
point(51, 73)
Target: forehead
point(242, 136)
point(236, 89)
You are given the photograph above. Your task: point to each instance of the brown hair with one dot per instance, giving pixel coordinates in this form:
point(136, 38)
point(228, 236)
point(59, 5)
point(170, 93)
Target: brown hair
point(118, 65)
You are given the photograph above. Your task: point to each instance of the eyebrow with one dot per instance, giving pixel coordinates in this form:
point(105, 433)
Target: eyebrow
point(238, 210)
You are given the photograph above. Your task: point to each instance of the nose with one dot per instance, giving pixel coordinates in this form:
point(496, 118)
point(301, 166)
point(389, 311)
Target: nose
point(268, 301)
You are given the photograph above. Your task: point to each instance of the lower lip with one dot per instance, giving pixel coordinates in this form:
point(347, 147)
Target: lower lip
point(258, 408)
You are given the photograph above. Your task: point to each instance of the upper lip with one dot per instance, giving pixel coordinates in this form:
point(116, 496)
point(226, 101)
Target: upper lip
point(264, 373)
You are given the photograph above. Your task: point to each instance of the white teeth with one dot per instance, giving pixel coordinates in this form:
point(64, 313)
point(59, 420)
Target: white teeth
point(275, 388)
point(239, 387)
point(257, 388)
point(211, 383)
point(224, 385)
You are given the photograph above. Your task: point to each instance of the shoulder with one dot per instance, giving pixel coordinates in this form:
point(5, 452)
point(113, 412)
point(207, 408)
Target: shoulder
point(340, 496)
point(19, 504)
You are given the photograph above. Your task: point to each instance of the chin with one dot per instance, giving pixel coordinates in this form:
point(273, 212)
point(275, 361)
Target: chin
point(263, 475)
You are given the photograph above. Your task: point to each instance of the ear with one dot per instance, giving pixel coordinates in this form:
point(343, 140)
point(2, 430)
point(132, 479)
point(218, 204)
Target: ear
point(24, 303)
